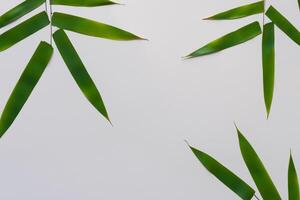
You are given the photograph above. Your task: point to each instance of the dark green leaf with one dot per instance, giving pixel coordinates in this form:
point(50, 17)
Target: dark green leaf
point(268, 55)
point(257, 170)
point(25, 85)
point(293, 184)
point(231, 180)
point(78, 71)
point(19, 11)
point(91, 28)
point(232, 39)
point(82, 3)
point(23, 30)
point(281, 22)
point(239, 12)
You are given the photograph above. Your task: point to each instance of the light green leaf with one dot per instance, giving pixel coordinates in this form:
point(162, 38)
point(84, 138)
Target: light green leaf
point(90, 28)
point(19, 11)
point(229, 179)
point(281, 22)
point(25, 85)
point(232, 39)
point(82, 3)
point(78, 71)
point(257, 170)
point(268, 55)
point(23, 30)
point(293, 184)
point(239, 12)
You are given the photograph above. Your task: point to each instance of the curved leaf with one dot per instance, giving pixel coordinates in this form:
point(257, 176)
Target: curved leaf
point(82, 3)
point(257, 170)
point(232, 39)
point(239, 12)
point(268, 55)
point(25, 85)
point(231, 180)
point(281, 22)
point(78, 71)
point(19, 11)
point(23, 30)
point(90, 28)
point(293, 184)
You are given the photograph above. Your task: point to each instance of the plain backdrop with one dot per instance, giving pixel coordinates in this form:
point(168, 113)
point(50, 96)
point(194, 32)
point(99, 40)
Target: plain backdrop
point(60, 147)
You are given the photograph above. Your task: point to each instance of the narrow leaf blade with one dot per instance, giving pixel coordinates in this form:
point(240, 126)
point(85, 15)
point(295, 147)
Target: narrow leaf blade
point(79, 72)
point(257, 170)
point(268, 55)
point(281, 22)
point(239, 12)
point(19, 11)
point(82, 3)
point(25, 85)
point(90, 28)
point(228, 178)
point(23, 30)
point(237, 37)
point(293, 183)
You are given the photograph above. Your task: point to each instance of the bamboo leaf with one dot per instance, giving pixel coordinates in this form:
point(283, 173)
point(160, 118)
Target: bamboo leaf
point(293, 184)
point(19, 11)
point(78, 71)
point(268, 55)
point(232, 39)
point(82, 3)
point(257, 170)
point(239, 12)
point(23, 30)
point(232, 181)
point(90, 28)
point(25, 85)
point(281, 22)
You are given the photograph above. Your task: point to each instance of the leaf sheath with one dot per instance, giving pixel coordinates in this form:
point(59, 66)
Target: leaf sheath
point(239, 12)
point(23, 30)
point(293, 183)
point(239, 36)
point(82, 3)
point(19, 11)
point(78, 71)
point(229, 179)
point(25, 85)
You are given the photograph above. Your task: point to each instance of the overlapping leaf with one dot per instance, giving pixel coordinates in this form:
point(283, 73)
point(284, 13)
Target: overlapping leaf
point(19, 11)
point(227, 177)
point(25, 85)
point(90, 28)
point(293, 184)
point(239, 12)
point(23, 30)
point(82, 3)
point(268, 55)
point(257, 170)
point(78, 71)
point(281, 22)
point(239, 36)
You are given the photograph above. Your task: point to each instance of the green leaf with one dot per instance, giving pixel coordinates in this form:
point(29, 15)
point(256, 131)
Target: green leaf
point(268, 55)
point(232, 39)
point(257, 170)
point(281, 22)
point(82, 3)
point(23, 30)
point(293, 184)
point(78, 71)
point(25, 85)
point(19, 11)
point(229, 179)
point(239, 12)
point(90, 28)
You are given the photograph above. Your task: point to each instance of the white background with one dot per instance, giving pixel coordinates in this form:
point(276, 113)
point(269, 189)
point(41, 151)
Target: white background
point(60, 148)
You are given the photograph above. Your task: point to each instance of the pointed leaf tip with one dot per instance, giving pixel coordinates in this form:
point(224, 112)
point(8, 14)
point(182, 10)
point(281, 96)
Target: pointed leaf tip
point(293, 183)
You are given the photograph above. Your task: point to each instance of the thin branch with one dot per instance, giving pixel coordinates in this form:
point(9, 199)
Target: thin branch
point(256, 197)
point(51, 13)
